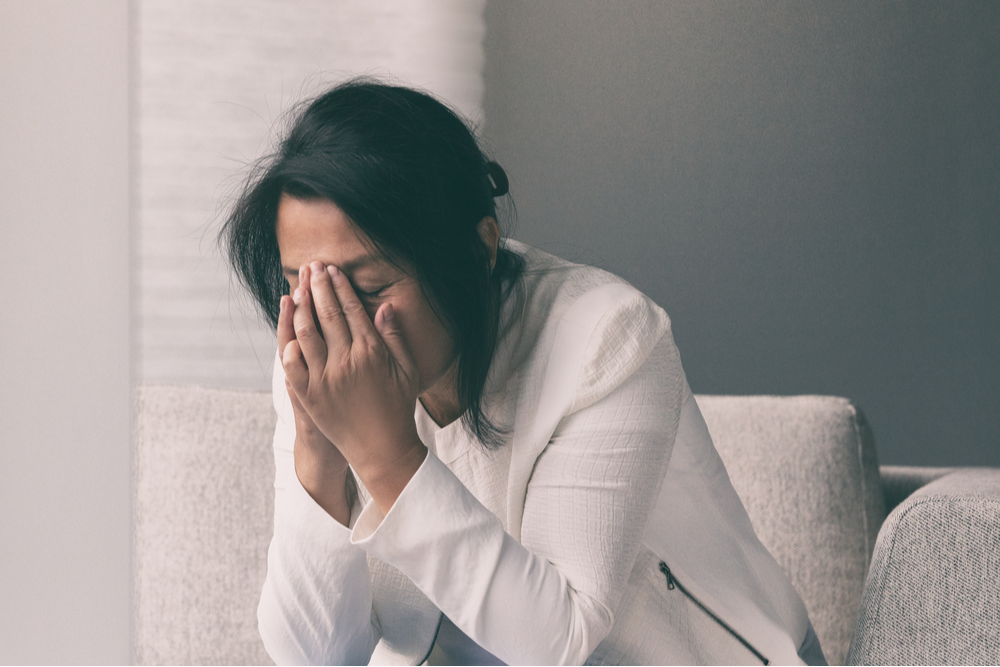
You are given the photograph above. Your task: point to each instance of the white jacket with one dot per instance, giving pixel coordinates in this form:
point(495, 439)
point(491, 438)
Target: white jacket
point(606, 529)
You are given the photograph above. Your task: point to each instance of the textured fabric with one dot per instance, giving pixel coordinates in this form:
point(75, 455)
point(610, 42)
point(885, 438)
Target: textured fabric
point(810, 651)
point(806, 471)
point(933, 594)
point(203, 504)
point(702, 531)
point(198, 565)
point(536, 576)
point(682, 632)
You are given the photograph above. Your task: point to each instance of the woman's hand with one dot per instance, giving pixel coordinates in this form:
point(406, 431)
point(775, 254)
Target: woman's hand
point(321, 468)
point(356, 381)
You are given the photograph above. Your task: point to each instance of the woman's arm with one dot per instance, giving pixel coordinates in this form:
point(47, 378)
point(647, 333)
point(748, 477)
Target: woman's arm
point(357, 381)
point(592, 488)
point(551, 598)
point(316, 604)
point(317, 601)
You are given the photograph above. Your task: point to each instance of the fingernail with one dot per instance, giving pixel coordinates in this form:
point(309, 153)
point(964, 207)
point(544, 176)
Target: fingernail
point(387, 315)
point(316, 267)
point(281, 305)
point(334, 271)
point(297, 295)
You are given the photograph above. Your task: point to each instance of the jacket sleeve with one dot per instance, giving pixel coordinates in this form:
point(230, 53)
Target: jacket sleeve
point(549, 599)
point(316, 604)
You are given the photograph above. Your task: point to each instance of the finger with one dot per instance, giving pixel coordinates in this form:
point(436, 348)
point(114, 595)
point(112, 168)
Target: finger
point(329, 313)
point(308, 337)
point(296, 372)
point(296, 403)
point(305, 282)
point(387, 326)
point(354, 311)
point(298, 409)
point(286, 331)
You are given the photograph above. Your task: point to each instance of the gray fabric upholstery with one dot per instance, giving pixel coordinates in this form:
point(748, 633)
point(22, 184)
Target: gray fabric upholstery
point(204, 475)
point(933, 593)
point(899, 482)
point(804, 466)
point(806, 470)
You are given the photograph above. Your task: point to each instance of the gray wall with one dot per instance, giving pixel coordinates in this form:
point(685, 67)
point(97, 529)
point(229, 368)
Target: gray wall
point(65, 464)
point(811, 190)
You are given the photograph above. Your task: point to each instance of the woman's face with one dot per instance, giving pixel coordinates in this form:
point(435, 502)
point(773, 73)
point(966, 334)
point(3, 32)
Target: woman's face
point(316, 230)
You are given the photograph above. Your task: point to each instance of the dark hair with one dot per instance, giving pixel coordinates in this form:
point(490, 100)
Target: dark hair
point(410, 175)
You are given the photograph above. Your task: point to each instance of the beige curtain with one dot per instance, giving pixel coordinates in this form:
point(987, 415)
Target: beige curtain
point(214, 80)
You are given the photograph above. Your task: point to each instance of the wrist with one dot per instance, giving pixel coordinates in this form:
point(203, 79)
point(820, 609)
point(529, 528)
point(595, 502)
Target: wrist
point(330, 486)
point(385, 478)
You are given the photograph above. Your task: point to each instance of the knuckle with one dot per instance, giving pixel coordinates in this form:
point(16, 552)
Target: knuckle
point(370, 349)
point(355, 309)
point(292, 368)
point(290, 352)
point(327, 311)
point(347, 369)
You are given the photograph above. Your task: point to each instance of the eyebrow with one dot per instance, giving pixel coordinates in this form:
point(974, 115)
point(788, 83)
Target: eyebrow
point(348, 267)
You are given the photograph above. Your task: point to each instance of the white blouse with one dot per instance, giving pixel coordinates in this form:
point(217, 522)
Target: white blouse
point(605, 529)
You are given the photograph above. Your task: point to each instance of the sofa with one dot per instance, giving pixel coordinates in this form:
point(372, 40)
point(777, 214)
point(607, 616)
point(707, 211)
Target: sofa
point(896, 565)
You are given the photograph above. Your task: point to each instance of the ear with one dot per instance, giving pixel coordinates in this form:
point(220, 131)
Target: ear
point(489, 232)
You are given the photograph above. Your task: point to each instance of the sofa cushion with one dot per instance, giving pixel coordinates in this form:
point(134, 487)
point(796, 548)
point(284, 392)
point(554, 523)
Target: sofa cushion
point(204, 496)
point(933, 594)
point(806, 470)
point(804, 466)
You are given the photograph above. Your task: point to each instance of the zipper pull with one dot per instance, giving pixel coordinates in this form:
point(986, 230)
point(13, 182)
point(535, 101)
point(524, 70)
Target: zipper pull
point(666, 572)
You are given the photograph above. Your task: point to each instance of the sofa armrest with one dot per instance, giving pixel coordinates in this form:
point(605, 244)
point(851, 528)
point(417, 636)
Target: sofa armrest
point(899, 482)
point(204, 507)
point(932, 595)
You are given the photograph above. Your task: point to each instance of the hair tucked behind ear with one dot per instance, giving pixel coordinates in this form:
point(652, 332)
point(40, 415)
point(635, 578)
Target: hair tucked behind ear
point(410, 175)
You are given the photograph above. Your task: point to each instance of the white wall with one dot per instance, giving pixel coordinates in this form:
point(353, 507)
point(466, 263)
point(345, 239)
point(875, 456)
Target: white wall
point(205, 84)
point(65, 518)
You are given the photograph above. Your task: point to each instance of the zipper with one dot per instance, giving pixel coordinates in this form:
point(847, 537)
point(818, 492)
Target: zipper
point(672, 583)
point(437, 631)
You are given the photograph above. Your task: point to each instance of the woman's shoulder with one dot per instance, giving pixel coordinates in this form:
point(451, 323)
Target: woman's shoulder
point(612, 325)
point(547, 279)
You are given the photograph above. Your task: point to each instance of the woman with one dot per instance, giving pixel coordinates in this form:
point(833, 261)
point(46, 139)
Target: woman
point(483, 454)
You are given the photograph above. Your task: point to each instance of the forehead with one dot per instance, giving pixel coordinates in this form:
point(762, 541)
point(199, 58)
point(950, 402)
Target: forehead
point(316, 229)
